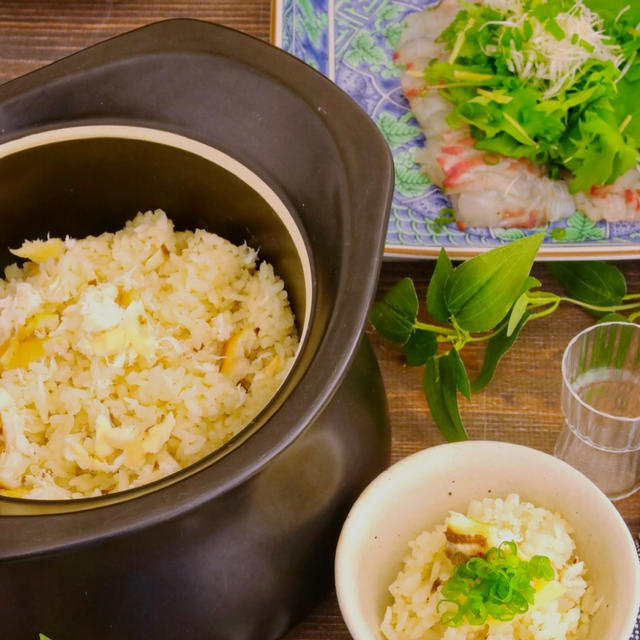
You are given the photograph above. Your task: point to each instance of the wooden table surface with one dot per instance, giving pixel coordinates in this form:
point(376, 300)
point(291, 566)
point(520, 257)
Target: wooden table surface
point(522, 403)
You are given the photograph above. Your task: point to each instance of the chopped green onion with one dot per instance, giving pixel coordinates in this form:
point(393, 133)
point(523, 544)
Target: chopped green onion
point(498, 586)
point(471, 76)
point(491, 159)
point(587, 46)
point(447, 215)
point(555, 29)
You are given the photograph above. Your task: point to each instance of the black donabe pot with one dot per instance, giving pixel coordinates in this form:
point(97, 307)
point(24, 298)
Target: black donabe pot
point(227, 133)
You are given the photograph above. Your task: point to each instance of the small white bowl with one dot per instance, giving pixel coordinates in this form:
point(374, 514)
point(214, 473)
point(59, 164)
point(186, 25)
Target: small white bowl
point(418, 492)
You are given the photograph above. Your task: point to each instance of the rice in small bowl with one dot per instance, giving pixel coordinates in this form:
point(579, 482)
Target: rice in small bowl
point(495, 544)
point(478, 507)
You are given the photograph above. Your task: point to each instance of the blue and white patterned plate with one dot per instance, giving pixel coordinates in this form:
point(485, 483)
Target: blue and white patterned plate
point(352, 42)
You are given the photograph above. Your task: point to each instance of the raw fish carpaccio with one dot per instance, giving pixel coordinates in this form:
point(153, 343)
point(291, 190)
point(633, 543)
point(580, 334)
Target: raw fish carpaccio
point(487, 189)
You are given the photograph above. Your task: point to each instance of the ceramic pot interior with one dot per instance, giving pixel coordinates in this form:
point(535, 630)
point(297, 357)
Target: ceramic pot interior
point(89, 185)
point(86, 180)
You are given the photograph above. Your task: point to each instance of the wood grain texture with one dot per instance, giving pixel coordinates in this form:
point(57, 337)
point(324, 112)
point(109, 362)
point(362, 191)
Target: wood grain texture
point(36, 32)
point(522, 402)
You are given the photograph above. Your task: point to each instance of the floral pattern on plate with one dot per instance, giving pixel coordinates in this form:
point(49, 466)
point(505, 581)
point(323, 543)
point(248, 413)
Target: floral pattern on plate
point(352, 42)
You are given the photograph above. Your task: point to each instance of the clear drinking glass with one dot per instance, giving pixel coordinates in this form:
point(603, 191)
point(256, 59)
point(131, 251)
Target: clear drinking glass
point(601, 406)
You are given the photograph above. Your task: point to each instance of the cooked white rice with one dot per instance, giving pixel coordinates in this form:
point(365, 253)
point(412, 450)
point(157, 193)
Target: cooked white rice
point(128, 356)
point(536, 531)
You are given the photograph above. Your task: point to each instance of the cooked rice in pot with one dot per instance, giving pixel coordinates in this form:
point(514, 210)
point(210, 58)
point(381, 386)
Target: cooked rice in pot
point(128, 356)
point(561, 611)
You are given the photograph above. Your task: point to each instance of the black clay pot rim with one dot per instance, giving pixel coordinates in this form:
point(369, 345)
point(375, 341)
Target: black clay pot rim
point(56, 135)
point(208, 152)
point(344, 330)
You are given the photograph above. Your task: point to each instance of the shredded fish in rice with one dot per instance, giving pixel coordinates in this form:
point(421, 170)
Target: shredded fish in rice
point(128, 356)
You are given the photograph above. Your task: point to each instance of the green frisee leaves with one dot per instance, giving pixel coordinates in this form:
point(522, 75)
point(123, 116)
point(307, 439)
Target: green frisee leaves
point(490, 297)
point(574, 110)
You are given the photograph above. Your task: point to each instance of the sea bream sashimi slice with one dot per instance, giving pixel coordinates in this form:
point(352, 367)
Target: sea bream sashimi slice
point(492, 190)
point(612, 202)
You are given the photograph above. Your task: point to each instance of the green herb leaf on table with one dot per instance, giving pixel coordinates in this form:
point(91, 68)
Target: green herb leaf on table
point(394, 315)
point(529, 283)
point(517, 312)
point(491, 298)
point(440, 385)
point(614, 316)
point(596, 283)
point(496, 347)
point(481, 291)
point(420, 347)
point(462, 379)
point(436, 300)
